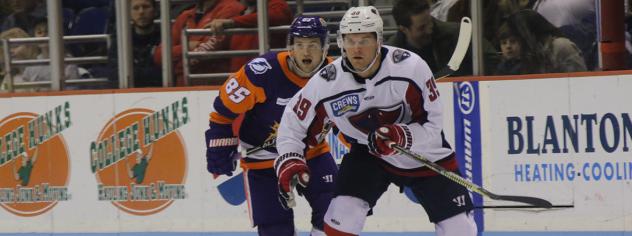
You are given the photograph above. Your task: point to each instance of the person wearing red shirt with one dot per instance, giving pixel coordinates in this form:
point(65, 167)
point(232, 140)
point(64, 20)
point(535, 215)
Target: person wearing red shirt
point(279, 13)
point(197, 17)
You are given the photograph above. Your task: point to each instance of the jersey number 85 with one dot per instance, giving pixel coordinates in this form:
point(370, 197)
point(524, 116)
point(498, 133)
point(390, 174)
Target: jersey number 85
point(236, 93)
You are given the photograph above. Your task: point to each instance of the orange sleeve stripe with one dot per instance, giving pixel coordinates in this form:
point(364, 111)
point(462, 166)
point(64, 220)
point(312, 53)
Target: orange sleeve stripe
point(343, 140)
point(239, 100)
point(317, 150)
point(220, 119)
point(256, 165)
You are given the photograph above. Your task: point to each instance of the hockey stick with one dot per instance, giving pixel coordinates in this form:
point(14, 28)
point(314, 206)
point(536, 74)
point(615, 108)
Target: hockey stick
point(534, 201)
point(522, 207)
point(463, 43)
point(272, 142)
point(266, 144)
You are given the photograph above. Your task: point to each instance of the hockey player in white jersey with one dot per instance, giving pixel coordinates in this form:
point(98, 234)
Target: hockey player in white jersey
point(375, 94)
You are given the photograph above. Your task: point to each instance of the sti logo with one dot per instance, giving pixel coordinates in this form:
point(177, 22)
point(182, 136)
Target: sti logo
point(139, 159)
point(466, 97)
point(345, 104)
point(34, 161)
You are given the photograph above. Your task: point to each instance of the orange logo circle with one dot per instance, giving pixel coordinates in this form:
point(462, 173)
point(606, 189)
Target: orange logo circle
point(34, 162)
point(139, 161)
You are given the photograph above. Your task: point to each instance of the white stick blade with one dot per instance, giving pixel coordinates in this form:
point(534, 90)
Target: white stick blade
point(463, 43)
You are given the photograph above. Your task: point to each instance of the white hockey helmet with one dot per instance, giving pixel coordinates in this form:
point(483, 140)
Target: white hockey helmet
point(364, 19)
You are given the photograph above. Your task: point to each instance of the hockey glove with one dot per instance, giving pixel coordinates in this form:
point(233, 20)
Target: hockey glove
point(292, 172)
point(381, 138)
point(221, 151)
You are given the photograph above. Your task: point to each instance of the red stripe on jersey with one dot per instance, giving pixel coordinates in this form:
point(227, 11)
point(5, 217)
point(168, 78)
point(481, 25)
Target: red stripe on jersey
point(316, 127)
point(330, 231)
point(416, 101)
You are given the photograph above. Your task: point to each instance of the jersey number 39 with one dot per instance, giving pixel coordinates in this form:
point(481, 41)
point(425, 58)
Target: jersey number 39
point(236, 93)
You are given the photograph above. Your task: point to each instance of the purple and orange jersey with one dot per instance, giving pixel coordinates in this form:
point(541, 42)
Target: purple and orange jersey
point(260, 90)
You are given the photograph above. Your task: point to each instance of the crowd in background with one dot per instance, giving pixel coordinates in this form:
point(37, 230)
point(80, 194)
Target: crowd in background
point(520, 36)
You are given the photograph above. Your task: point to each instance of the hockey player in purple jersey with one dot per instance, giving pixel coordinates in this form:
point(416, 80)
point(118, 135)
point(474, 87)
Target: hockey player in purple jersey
point(375, 95)
point(260, 90)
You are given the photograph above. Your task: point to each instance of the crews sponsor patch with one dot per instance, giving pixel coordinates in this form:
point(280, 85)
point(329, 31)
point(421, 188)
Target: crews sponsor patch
point(328, 73)
point(400, 55)
point(259, 66)
point(349, 103)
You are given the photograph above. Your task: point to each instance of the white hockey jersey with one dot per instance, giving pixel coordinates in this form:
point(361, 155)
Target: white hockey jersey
point(402, 91)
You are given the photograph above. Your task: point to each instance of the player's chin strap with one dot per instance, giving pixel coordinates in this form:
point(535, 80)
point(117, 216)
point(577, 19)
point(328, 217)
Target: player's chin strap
point(350, 67)
point(322, 60)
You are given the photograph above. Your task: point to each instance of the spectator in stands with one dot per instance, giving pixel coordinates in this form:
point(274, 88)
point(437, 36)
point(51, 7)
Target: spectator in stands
point(200, 15)
point(577, 21)
point(18, 52)
point(43, 72)
point(279, 13)
point(145, 40)
point(511, 49)
point(26, 13)
point(544, 48)
point(432, 39)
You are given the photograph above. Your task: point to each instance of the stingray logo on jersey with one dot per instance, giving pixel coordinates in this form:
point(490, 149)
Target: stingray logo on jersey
point(328, 73)
point(349, 103)
point(400, 55)
point(34, 161)
point(139, 158)
point(259, 66)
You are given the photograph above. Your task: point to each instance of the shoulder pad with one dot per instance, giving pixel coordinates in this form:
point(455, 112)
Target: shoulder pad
point(400, 55)
point(259, 65)
point(328, 73)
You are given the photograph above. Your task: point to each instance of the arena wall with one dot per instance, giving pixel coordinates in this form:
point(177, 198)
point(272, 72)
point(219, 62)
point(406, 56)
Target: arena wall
point(564, 139)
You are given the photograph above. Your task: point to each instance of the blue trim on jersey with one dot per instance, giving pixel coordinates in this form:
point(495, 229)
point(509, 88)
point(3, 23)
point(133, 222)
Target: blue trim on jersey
point(332, 97)
point(409, 80)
